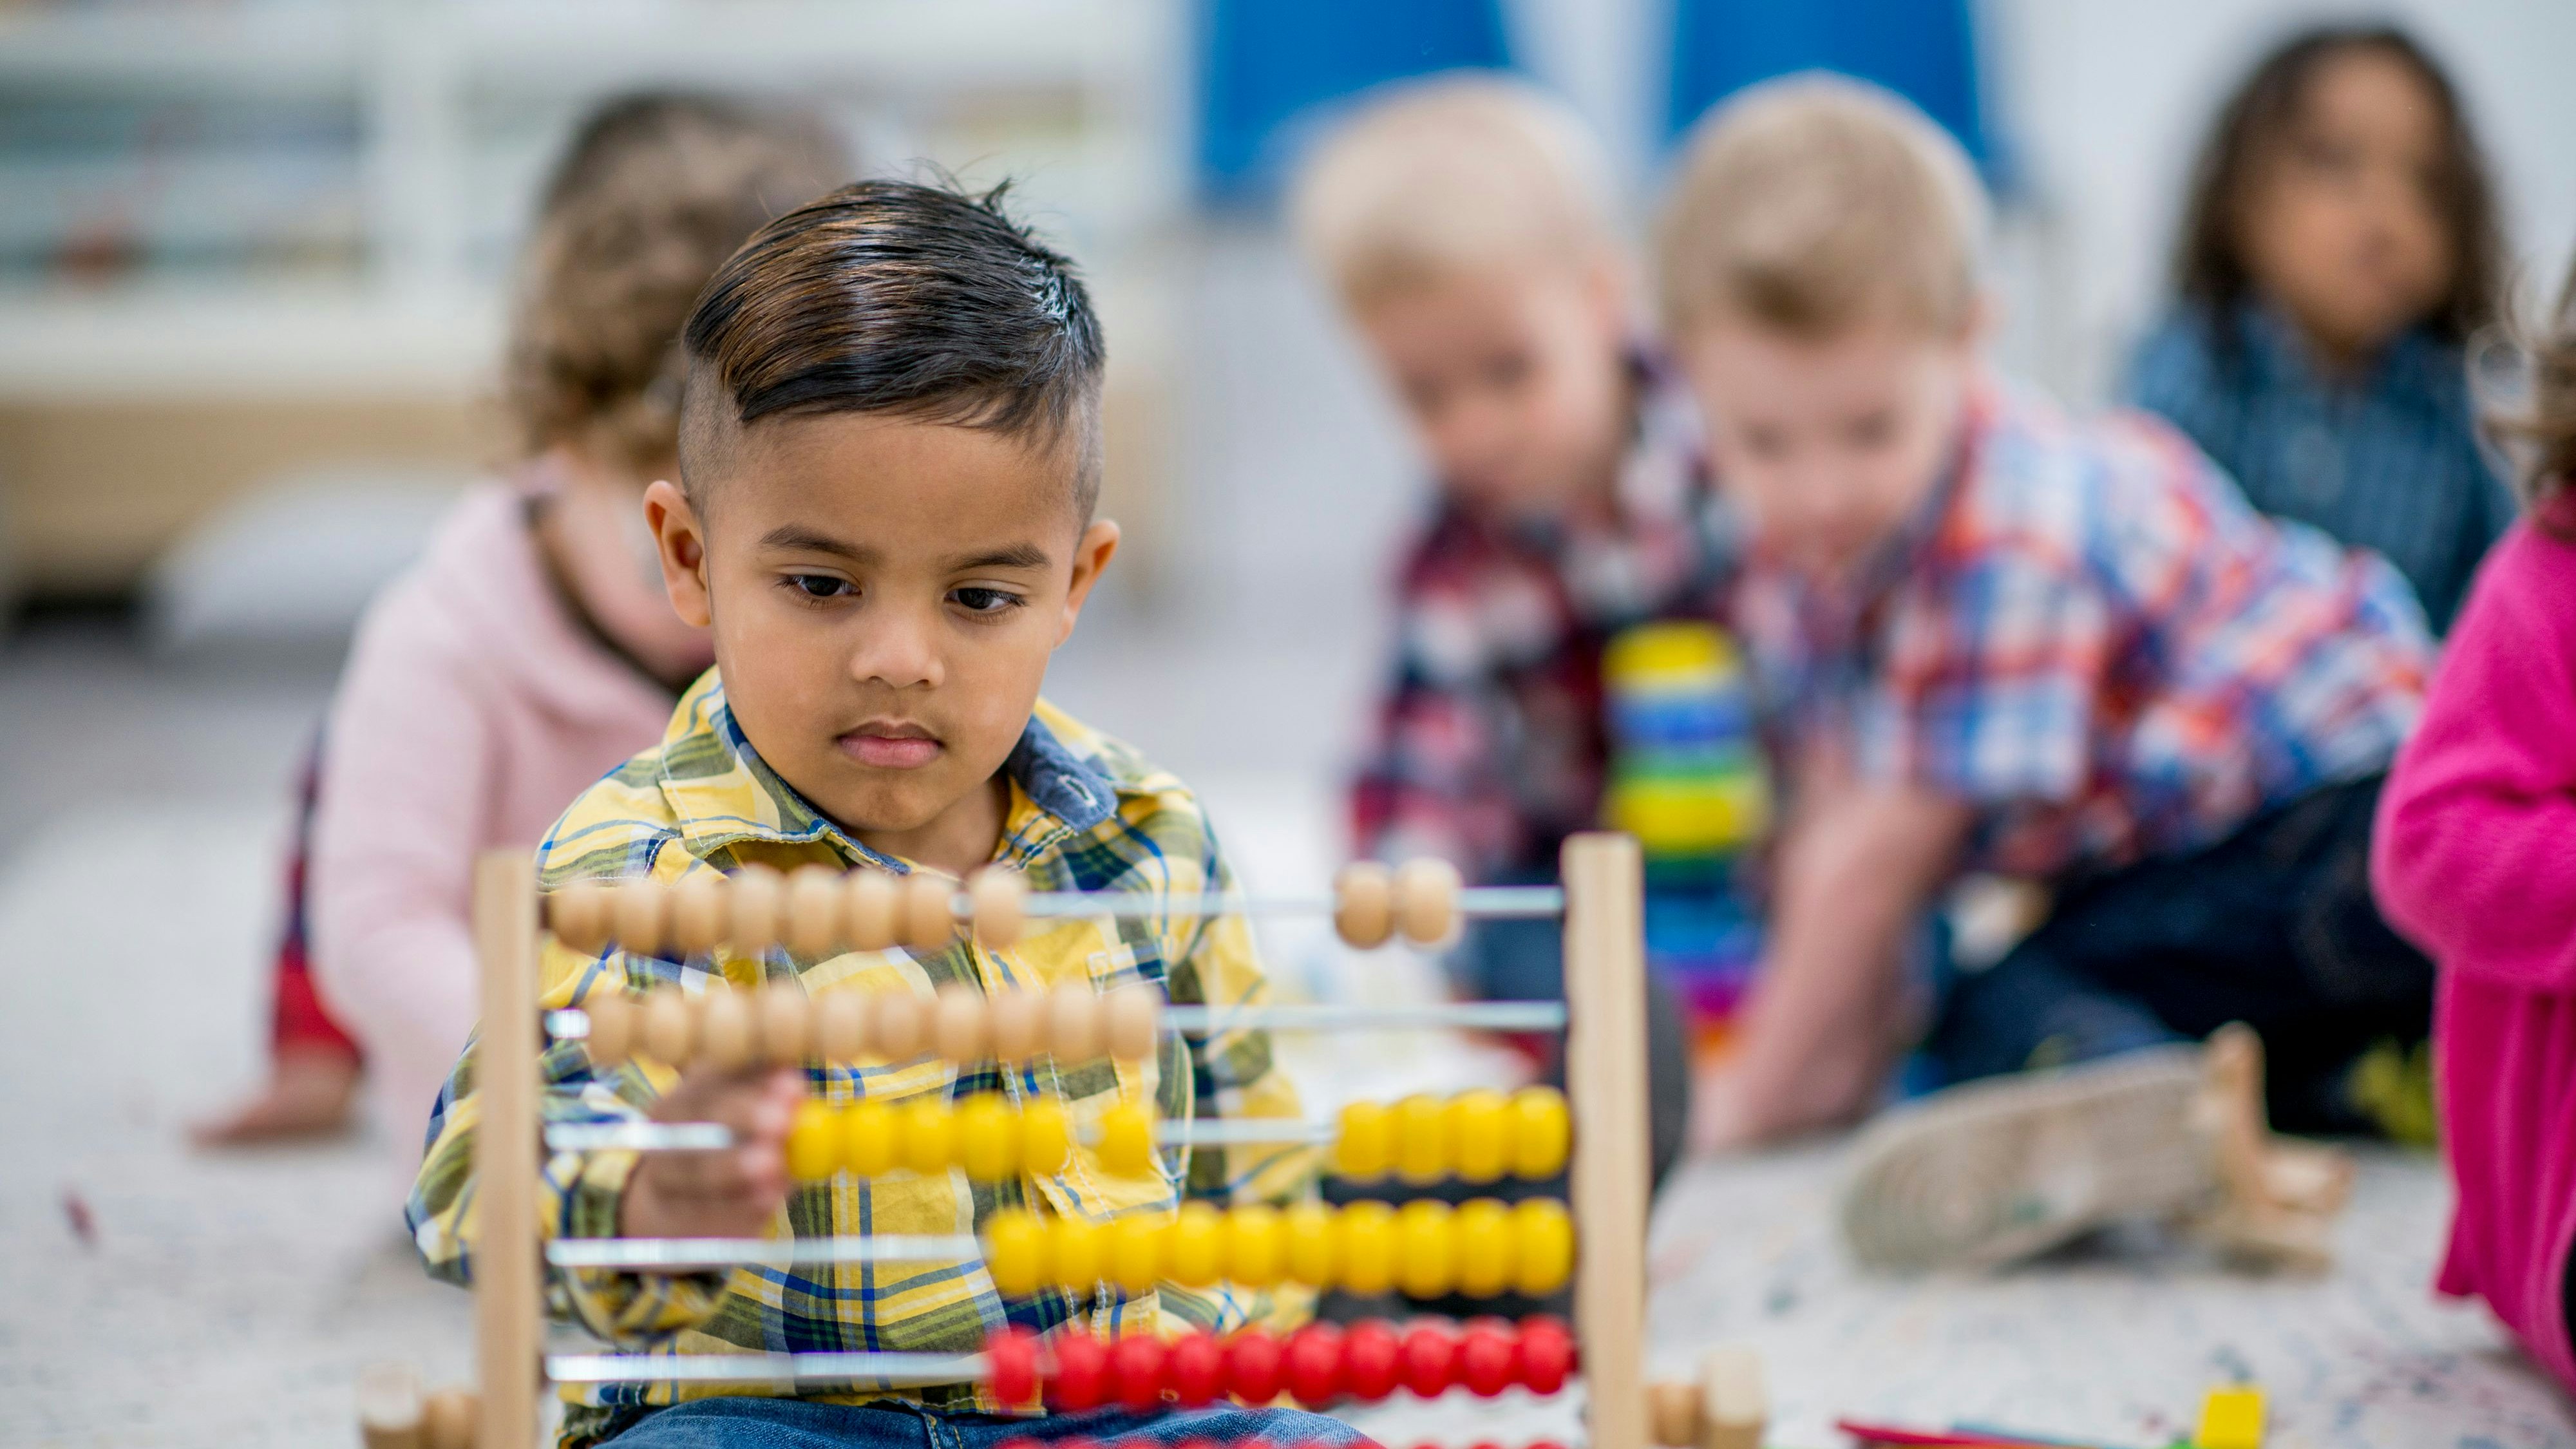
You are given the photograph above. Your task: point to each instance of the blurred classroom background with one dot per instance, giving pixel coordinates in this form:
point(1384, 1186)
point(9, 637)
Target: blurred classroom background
point(253, 255)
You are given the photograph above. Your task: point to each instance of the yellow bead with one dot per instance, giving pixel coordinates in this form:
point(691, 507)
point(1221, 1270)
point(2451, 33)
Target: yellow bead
point(1426, 1249)
point(1479, 1139)
point(1365, 1143)
point(1044, 1137)
point(871, 1141)
point(1136, 1251)
point(988, 1138)
point(1197, 1246)
point(1314, 1249)
point(1073, 1254)
point(1421, 1139)
point(1542, 1246)
point(1368, 1247)
point(1015, 1251)
point(1127, 1140)
point(1253, 1250)
point(814, 1142)
point(1482, 1237)
point(1540, 1132)
point(929, 1134)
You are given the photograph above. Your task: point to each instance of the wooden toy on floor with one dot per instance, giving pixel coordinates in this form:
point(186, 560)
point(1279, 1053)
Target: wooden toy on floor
point(1480, 1248)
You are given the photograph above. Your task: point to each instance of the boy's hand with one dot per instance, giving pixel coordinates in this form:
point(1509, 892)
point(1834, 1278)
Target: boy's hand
point(728, 1194)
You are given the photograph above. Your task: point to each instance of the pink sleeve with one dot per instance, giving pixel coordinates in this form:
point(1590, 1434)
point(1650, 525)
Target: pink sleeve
point(406, 761)
point(2475, 852)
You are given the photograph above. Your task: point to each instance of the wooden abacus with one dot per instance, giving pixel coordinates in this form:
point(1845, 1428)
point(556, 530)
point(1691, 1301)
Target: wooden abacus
point(1426, 1248)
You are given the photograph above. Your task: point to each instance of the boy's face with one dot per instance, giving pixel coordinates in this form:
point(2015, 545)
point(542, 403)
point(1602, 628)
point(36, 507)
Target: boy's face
point(884, 594)
point(1829, 443)
point(1514, 379)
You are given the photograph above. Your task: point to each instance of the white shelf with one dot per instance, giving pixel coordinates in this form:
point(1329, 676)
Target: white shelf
point(232, 343)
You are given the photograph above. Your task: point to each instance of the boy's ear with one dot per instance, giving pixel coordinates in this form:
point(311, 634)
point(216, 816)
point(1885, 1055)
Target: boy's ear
point(682, 542)
point(1091, 554)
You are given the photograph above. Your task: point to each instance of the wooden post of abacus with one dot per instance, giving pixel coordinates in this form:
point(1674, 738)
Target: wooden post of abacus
point(1605, 1081)
point(507, 1303)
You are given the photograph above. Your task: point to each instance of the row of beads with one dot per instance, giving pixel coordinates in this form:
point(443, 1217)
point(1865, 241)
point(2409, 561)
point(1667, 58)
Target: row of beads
point(1426, 1248)
point(1317, 1365)
point(1475, 1136)
point(779, 1024)
point(815, 910)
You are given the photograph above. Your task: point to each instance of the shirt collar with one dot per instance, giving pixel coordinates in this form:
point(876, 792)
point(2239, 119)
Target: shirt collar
point(722, 793)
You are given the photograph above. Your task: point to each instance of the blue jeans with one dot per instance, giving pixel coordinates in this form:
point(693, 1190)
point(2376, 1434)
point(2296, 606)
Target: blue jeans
point(747, 1423)
point(2273, 926)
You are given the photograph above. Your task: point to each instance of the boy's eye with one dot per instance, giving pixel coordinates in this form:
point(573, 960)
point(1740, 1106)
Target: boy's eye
point(820, 586)
point(986, 601)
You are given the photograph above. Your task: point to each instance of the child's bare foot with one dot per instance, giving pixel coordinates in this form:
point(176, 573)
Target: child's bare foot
point(308, 1094)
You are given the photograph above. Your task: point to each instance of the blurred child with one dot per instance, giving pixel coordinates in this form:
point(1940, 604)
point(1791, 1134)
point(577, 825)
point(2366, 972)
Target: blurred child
point(888, 472)
point(1463, 225)
point(2340, 247)
point(2476, 859)
point(1996, 638)
point(531, 648)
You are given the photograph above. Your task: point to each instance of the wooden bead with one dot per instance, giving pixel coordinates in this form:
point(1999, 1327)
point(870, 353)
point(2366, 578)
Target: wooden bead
point(813, 920)
point(1075, 1250)
point(698, 913)
point(1127, 1140)
point(1131, 1019)
point(814, 1141)
point(612, 1025)
point(1426, 901)
point(670, 1028)
point(1046, 1138)
point(988, 1138)
point(871, 1139)
point(841, 1025)
point(1367, 1236)
point(1015, 1251)
point(1426, 1248)
point(901, 1022)
point(639, 910)
point(1197, 1246)
point(1255, 1249)
point(1073, 1023)
point(389, 1407)
point(871, 903)
point(785, 1019)
point(1364, 905)
point(999, 898)
point(1734, 1402)
point(724, 1029)
point(578, 915)
point(1311, 1247)
point(1421, 1139)
point(1483, 1259)
point(1542, 1133)
point(447, 1419)
point(1480, 1138)
point(1363, 1141)
point(929, 1134)
point(1672, 1413)
point(1017, 1024)
point(1542, 1246)
point(1137, 1250)
point(929, 922)
point(959, 1026)
point(758, 900)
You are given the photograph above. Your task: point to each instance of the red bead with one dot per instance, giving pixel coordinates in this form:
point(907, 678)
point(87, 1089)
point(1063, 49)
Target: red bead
point(1372, 1361)
point(1022, 1444)
point(1081, 1372)
point(1313, 1368)
point(1547, 1353)
point(1430, 1355)
point(1543, 1444)
point(1136, 1363)
point(1486, 1444)
point(1252, 1363)
point(1013, 1356)
point(1184, 1444)
point(1196, 1365)
point(1486, 1363)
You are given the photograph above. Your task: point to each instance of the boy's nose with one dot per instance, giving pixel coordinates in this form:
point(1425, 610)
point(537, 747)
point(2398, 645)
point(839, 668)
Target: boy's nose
point(897, 652)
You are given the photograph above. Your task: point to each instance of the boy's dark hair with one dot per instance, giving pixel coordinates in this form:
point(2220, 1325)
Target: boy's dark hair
point(655, 190)
point(896, 297)
point(2209, 266)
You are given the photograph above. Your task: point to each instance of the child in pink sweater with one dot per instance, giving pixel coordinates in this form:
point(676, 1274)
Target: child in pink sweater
point(2475, 858)
point(532, 648)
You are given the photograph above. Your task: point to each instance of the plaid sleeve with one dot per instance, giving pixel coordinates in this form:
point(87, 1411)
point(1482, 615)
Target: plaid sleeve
point(577, 1192)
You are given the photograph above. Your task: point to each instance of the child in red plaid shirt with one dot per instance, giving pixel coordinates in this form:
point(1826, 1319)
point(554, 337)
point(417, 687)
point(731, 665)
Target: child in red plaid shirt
point(1462, 225)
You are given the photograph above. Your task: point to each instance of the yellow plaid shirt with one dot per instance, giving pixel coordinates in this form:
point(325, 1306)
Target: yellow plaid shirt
point(1086, 814)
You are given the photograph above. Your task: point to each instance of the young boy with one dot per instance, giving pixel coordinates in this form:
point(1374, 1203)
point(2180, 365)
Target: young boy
point(1462, 225)
point(888, 456)
point(2007, 641)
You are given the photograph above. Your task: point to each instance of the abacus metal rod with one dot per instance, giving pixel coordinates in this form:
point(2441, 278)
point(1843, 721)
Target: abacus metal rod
point(571, 1023)
point(763, 1252)
point(879, 1367)
point(715, 1137)
point(1480, 902)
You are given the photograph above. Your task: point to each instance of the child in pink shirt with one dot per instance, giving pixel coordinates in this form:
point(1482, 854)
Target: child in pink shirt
point(532, 648)
point(2475, 859)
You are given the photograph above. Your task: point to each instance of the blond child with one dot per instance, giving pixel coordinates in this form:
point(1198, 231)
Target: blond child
point(1465, 228)
point(2004, 639)
point(531, 648)
point(889, 456)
